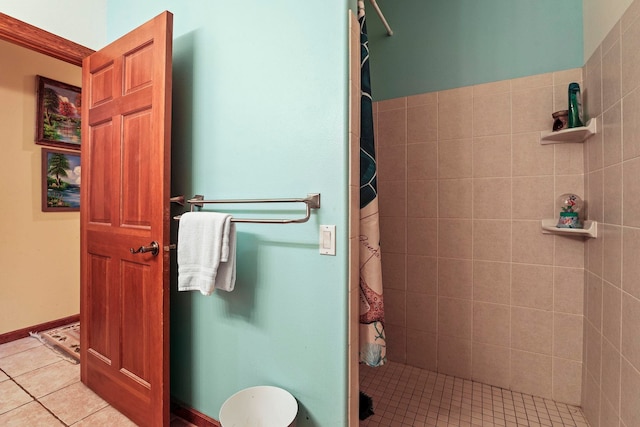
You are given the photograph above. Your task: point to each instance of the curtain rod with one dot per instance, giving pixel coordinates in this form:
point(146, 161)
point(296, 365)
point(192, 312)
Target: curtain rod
point(382, 18)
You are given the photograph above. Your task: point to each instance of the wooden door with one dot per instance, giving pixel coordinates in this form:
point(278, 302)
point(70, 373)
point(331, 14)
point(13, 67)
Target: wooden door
point(126, 112)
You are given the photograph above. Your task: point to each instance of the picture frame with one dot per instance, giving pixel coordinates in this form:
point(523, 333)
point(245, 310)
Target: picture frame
point(58, 119)
point(61, 174)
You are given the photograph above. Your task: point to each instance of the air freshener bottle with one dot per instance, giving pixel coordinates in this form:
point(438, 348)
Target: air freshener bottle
point(575, 106)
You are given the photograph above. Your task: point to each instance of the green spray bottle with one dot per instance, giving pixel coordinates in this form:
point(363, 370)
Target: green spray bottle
point(575, 106)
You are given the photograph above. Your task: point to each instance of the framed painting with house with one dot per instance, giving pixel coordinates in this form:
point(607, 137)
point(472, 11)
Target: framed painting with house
point(60, 180)
point(58, 117)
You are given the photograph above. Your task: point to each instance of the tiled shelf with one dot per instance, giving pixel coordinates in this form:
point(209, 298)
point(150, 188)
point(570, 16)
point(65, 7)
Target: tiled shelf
point(590, 229)
point(579, 134)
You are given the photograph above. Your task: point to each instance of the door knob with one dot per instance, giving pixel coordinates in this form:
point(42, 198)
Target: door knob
point(153, 247)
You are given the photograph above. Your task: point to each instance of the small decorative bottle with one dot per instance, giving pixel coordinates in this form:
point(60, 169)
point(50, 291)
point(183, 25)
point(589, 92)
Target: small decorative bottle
point(575, 106)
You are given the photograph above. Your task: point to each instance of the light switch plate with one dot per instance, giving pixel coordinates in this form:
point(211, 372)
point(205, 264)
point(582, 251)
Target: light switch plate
point(327, 239)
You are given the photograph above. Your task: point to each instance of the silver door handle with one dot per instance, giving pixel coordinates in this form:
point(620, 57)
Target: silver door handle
point(153, 247)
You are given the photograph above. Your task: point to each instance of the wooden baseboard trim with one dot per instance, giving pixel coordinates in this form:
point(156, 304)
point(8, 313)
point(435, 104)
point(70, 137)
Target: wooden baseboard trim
point(22, 333)
point(191, 415)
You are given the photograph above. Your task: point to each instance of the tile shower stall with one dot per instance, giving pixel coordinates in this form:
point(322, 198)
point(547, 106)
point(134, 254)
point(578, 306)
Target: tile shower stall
point(473, 289)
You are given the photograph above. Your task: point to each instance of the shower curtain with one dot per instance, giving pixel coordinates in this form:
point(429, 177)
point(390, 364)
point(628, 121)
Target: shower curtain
point(372, 336)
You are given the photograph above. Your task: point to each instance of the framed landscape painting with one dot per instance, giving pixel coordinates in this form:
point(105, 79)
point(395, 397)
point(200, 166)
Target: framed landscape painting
point(58, 117)
point(60, 180)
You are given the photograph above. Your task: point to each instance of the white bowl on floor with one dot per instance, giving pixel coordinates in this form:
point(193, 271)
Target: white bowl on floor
point(260, 406)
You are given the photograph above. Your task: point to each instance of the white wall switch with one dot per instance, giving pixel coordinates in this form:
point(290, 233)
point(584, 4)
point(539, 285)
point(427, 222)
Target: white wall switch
point(327, 239)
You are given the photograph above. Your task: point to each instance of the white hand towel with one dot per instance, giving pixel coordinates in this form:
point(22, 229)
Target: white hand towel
point(203, 244)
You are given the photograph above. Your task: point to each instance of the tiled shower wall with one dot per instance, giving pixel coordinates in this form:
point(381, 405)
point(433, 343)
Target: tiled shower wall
point(472, 286)
point(611, 374)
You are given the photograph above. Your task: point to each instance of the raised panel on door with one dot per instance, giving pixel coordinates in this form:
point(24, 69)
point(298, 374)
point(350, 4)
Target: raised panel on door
point(99, 149)
point(136, 191)
point(135, 288)
point(98, 330)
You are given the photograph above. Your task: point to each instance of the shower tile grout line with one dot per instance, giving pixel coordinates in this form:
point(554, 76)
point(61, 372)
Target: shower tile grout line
point(410, 396)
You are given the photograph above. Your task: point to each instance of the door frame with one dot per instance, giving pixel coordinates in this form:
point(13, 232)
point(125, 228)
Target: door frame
point(41, 41)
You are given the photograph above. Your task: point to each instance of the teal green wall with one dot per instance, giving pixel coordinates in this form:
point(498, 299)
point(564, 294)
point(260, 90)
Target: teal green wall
point(446, 44)
point(260, 110)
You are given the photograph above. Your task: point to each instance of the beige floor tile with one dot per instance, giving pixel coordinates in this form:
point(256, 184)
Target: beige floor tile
point(31, 414)
point(11, 397)
point(73, 403)
point(28, 360)
point(17, 346)
point(105, 417)
point(55, 384)
point(50, 378)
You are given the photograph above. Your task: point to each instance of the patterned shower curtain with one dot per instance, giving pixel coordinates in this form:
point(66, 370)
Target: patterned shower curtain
point(372, 337)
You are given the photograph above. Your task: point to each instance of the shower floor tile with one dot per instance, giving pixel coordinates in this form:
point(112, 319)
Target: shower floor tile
point(405, 396)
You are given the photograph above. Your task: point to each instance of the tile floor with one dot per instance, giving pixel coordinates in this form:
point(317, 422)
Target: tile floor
point(405, 396)
point(38, 388)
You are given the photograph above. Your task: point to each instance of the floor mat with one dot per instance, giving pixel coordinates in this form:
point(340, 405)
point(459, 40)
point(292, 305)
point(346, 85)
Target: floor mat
point(65, 340)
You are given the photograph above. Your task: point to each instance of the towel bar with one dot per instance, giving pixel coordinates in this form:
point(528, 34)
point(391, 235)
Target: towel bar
point(312, 201)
